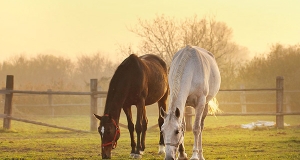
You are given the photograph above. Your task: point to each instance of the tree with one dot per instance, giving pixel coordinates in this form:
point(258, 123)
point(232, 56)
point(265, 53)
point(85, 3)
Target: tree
point(46, 70)
point(164, 36)
point(94, 66)
point(262, 70)
point(280, 61)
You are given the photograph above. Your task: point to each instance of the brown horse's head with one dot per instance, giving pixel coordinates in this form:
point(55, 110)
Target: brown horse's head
point(110, 133)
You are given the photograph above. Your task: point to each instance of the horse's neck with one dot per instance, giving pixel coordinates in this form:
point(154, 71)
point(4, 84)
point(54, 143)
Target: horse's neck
point(113, 105)
point(176, 102)
point(113, 111)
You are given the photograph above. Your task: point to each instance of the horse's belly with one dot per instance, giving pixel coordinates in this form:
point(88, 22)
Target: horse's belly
point(155, 96)
point(191, 100)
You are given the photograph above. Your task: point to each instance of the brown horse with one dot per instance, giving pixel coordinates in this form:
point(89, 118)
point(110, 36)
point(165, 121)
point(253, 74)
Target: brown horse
point(138, 81)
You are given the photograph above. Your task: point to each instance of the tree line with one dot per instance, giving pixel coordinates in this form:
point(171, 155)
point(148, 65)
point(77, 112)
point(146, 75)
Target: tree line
point(163, 36)
point(47, 71)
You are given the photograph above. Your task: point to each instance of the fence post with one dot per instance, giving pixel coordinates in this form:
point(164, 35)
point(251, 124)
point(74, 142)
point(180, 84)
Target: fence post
point(243, 100)
point(93, 110)
point(50, 102)
point(188, 118)
point(8, 102)
point(279, 102)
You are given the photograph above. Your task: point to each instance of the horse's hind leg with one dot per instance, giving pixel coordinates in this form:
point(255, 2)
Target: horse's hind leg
point(127, 111)
point(144, 129)
point(197, 130)
point(200, 154)
point(139, 127)
point(162, 103)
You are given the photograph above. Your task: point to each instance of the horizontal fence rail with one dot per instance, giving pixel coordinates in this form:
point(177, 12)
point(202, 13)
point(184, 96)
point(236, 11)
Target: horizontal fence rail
point(94, 94)
point(52, 92)
point(258, 89)
point(9, 92)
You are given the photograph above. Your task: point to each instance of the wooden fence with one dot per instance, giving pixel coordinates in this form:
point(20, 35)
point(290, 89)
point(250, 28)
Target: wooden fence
point(9, 91)
point(279, 105)
point(94, 95)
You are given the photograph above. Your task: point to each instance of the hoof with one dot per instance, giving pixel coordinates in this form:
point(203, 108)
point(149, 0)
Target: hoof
point(194, 158)
point(161, 149)
point(138, 156)
point(141, 152)
point(183, 157)
point(131, 155)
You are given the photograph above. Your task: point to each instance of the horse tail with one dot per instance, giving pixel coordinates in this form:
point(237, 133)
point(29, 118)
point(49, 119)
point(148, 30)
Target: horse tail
point(213, 105)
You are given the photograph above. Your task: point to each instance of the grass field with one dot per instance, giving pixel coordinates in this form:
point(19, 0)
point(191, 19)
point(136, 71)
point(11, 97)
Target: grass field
point(222, 139)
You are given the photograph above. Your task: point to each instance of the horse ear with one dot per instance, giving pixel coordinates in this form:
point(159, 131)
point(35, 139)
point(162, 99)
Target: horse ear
point(162, 113)
point(98, 117)
point(177, 113)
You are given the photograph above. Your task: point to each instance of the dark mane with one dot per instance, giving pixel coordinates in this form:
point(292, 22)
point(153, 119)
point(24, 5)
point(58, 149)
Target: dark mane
point(121, 81)
point(131, 62)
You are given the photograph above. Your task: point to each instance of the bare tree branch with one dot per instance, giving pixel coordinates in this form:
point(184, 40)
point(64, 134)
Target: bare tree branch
point(164, 36)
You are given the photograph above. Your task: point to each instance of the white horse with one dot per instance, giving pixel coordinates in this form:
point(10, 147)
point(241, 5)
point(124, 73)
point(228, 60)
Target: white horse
point(194, 80)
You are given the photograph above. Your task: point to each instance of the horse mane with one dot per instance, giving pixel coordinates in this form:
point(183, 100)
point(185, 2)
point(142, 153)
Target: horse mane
point(179, 70)
point(131, 61)
point(120, 73)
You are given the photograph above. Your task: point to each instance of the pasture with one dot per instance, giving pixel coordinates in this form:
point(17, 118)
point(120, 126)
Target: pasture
point(222, 139)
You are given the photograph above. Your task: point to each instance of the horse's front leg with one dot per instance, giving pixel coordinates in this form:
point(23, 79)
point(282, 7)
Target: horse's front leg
point(128, 113)
point(182, 155)
point(197, 131)
point(200, 154)
point(139, 127)
point(162, 103)
point(144, 129)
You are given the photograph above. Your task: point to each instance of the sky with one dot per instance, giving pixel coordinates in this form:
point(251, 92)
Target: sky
point(71, 28)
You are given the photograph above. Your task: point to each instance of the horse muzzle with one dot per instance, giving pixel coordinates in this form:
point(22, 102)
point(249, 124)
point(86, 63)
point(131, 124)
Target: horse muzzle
point(105, 156)
point(106, 153)
point(170, 152)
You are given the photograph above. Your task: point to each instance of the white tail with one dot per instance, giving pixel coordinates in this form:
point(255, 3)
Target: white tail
point(214, 106)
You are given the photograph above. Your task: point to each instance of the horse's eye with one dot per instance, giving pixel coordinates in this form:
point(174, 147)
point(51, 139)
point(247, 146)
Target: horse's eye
point(177, 131)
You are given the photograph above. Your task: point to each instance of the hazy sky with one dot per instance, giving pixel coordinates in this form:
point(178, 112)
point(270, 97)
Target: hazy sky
point(74, 27)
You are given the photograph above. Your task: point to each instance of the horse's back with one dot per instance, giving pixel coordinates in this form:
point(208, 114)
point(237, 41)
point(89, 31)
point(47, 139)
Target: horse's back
point(213, 74)
point(129, 71)
point(153, 59)
point(157, 80)
point(194, 70)
point(140, 77)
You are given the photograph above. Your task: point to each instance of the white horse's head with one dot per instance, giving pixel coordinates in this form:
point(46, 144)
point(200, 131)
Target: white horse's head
point(173, 132)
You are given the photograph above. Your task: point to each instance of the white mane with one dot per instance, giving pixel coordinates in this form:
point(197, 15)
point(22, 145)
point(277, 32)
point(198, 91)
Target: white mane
point(179, 71)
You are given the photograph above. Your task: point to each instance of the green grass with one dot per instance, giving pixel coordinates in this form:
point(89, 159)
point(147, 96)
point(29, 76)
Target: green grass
point(222, 139)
